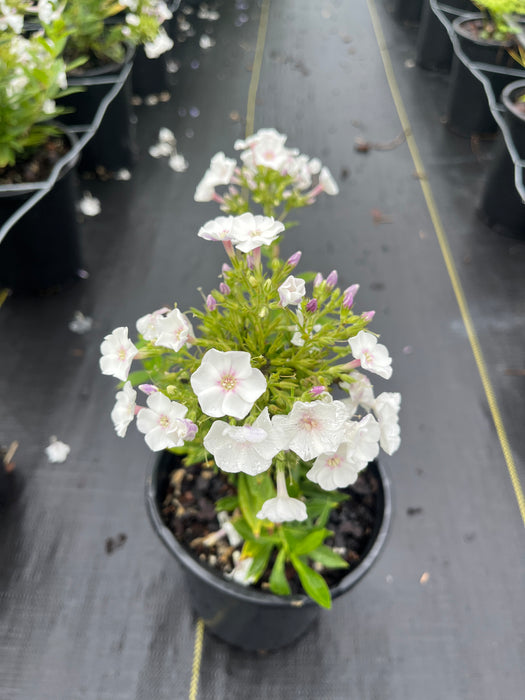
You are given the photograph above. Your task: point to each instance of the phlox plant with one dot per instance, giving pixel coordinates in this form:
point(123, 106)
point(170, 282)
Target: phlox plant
point(247, 385)
point(499, 18)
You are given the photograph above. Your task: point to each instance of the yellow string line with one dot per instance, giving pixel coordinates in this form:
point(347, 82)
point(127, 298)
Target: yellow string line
point(197, 659)
point(256, 69)
point(4, 293)
point(449, 260)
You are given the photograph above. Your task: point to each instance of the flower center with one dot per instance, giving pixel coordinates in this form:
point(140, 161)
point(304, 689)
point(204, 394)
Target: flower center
point(228, 382)
point(368, 356)
point(121, 353)
point(164, 422)
point(309, 423)
point(333, 462)
point(269, 155)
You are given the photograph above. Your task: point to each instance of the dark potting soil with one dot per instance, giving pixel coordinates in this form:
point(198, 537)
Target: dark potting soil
point(38, 166)
point(188, 511)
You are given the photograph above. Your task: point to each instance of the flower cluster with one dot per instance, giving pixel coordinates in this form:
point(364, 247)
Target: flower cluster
point(270, 388)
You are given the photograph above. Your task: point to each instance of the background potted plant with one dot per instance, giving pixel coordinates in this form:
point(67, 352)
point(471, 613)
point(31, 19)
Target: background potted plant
point(244, 411)
point(42, 249)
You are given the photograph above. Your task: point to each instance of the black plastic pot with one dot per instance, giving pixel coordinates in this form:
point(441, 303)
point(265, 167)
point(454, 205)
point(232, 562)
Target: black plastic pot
point(242, 616)
point(41, 251)
point(149, 76)
point(434, 50)
point(113, 146)
point(468, 112)
point(408, 11)
point(501, 206)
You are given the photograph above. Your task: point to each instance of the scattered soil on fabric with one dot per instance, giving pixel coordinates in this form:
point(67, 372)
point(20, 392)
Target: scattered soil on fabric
point(38, 166)
point(188, 511)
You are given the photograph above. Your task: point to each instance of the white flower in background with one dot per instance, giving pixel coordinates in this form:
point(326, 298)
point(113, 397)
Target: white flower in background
point(298, 168)
point(161, 44)
point(48, 11)
point(360, 393)
point(267, 150)
point(333, 470)
point(57, 451)
point(327, 182)
point(205, 190)
point(206, 41)
point(167, 136)
point(362, 440)
point(386, 408)
point(117, 354)
point(250, 232)
point(163, 423)
point(80, 324)
point(132, 5)
point(162, 11)
point(314, 166)
point(291, 291)
point(174, 330)
point(226, 384)
point(123, 174)
point(163, 149)
point(283, 508)
point(148, 325)
point(132, 20)
point(247, 448)
point(221, 169)
point(372, 355)
point(49, 106)
point(10, 18)
point(240, 572)
point(89, 205)
point(178, 163)
point(219, 229)
point(311, 428)
point(124, 409)
point(204, 12)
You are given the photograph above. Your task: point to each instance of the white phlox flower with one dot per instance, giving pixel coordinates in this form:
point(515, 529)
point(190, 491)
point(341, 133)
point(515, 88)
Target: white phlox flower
point(132, 20)
point(219, 229)
point(250, 232)
point(178, 163)
point(373, 356)
point(327, 182)
point(117, 354)
point(254, 139)
point(311, 428)
point(292, 290)
point(221, 169)
point(240, 572)
point(362, 440)
point(265, 148)
point(205, 190)
point(360, 393)
point(298, 168)
point(174, 330)
point(282, 508)
point(148, 325)
point(248, 448)
point(161, 44)
point(89, 205)
point(334, 470)
point(124, 409)
point(226, 384)
point(386, 408)
point(163, 423)
point(57, 451)
point(167, 136)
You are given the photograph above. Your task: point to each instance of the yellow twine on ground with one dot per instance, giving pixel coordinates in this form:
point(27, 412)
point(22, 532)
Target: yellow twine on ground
point(197, 659)
point(449, 260)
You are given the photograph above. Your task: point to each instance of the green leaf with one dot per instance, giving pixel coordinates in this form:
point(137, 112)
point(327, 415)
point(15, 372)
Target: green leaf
point(278, 582)
point(248, 504)
point(261, 555)
point(312, 541)
point(328, 558)
point(141, 376)
point(227, 503)
point(313, 583)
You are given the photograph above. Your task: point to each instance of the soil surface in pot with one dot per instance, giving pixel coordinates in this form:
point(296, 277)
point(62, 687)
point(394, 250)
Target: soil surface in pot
point(476, 29)
point(36, 167)
point(188, 511)
point(518, 103)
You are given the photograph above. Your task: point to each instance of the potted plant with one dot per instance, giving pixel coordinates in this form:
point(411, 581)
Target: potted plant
point(42, 249)
point(433, 47)
point(485, 39)
point(260, 414)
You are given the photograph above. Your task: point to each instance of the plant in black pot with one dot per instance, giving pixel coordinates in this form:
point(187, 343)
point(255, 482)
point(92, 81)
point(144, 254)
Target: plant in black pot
point(485, 40)
point(262, 491)
point(42, 249)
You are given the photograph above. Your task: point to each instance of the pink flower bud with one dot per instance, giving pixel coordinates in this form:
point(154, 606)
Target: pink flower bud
point(332, 278)
point(224, 289)
point(368, 315)
point(317, 390)
point(148, 388)
point(348, 300)
point(352, 289)
point(311, 306)
point(225, 268)
point(293, 260)
point(251, 261)
point(318, 279)
point(211, 302)
point(191, 428)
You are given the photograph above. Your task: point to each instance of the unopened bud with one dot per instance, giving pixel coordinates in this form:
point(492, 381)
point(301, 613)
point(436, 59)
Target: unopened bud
point(252, 281)
point(293, 260)
point(224, 289)
point(251, 261)
point(148, 388)
point(263, 312)
point(332, 278)
point(211, 302)
point(311, 306)
point(317, 390)
point(348, 301)
point(352, 289)
point(318, 280)
point(226, 268)
point(368, 315)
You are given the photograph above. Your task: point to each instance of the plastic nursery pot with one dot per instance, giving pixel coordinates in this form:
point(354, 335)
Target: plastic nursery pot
point(149, 75)
point(113, 144)
point(41, 252)
point(246, 617)
point(468, 111)
point(501, 206)
point(434, 50)
point(408, 11)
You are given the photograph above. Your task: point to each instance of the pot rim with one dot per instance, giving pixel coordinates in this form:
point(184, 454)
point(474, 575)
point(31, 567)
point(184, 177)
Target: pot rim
point(458, 23)
point(248, 594)
point(507, 97)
